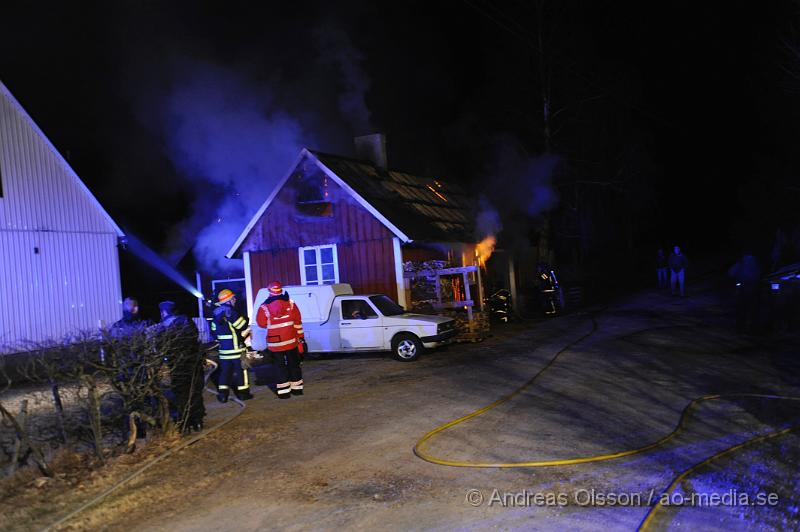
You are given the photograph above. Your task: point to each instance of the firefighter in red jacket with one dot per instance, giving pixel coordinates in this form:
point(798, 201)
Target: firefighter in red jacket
point(281, 318)
point(230, 330)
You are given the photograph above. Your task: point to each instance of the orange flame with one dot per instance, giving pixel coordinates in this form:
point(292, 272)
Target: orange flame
point(485, 248)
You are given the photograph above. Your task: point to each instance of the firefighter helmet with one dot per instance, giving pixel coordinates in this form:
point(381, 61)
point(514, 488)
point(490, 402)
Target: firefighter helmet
point(225, 295)
point(275, 288)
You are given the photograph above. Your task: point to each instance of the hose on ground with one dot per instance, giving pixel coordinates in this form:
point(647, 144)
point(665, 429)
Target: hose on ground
point(419, 447)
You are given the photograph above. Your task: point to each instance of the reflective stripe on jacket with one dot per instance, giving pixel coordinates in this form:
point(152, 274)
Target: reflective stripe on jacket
point(227, 327)
point(281, 318)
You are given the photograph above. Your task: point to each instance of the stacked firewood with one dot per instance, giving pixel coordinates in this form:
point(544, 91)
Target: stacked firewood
point(423, 289)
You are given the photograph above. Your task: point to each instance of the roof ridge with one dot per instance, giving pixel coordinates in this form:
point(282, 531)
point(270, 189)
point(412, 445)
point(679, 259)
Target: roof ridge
point(376, 167)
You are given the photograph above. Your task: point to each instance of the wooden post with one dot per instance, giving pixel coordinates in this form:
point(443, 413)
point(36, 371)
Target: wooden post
point(512, 282)
point(480, 288)
point(199, 281)
point(467, 295)
point(59, 409)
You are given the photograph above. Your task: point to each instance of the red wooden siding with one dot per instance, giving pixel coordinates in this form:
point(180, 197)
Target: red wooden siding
point(364, 244)
point(282, 226)
point(279, 265)
point(368, 266)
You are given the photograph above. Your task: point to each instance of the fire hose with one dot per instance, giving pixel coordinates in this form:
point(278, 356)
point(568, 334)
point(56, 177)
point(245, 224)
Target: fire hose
point(191, 441)
point(419, 447)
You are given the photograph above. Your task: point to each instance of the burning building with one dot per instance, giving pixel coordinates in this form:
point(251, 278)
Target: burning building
point(334, 219)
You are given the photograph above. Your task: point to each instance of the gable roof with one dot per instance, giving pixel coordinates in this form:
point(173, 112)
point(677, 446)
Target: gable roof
point(411, 207)
point(425, 208)
point(17, 107)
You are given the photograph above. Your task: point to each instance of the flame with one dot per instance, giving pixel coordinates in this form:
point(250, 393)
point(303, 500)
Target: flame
point(485, 248)
point(439, 194)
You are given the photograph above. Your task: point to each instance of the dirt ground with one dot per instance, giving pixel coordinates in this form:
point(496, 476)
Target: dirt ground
point(341, 456)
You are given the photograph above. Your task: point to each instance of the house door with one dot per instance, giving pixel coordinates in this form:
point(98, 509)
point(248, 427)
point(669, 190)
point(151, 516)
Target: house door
point(359, 325)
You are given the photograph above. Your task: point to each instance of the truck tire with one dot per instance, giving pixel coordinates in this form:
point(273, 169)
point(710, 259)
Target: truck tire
point(406, 347)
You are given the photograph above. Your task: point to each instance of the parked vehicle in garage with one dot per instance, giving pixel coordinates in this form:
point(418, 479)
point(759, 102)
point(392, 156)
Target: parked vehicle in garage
point(337, 320)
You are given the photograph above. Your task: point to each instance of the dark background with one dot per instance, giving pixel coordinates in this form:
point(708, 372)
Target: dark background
point(672, 123)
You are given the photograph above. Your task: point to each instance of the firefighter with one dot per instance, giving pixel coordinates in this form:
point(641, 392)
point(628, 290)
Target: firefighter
point(281, 318)
point(230, 330)
point(131, 320)
point(181, 348)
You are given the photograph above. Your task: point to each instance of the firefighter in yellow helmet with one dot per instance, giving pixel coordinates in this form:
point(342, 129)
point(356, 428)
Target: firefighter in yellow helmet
point(230, 329)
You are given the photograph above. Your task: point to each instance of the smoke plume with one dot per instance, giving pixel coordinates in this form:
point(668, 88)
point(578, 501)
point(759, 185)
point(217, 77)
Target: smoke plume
point(226, 135)
point(517, 183)
point(336, 50)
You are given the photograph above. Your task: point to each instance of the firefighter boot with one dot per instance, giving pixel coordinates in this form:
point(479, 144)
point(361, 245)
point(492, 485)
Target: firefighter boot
point(244, 395)
point(283, 392)
point(297, 387)
point(222, 395)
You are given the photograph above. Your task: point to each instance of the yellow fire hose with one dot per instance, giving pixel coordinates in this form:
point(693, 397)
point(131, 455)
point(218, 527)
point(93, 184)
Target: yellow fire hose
point(419, 448)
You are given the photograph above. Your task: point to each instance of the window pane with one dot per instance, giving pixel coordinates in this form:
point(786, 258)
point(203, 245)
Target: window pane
point(310, 256)
point(311, 274)
point(357, 309)
point(387, 306)
point(349, 308)
point(326, 255)
point(328, 273)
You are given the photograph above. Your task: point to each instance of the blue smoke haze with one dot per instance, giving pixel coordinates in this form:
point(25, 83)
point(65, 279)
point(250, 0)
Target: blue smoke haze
point(517, 182)
point(231, 137)
point(488, 220)
point(226, 135)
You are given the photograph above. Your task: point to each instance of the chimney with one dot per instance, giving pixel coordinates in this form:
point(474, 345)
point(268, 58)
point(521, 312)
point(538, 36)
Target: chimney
point(372, 148)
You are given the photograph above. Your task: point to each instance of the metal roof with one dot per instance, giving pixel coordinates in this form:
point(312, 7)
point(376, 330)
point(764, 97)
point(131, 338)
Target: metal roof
point(424, 208)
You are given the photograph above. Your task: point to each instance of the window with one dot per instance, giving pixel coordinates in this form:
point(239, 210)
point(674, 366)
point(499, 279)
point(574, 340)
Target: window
point(319, 265)
point(1, 182)
point(357, 309)
point(386, 305)
point(313, 199)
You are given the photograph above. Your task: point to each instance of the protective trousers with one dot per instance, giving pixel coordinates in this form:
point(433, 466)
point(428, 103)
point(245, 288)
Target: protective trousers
point(232, 375)
point(290, 374)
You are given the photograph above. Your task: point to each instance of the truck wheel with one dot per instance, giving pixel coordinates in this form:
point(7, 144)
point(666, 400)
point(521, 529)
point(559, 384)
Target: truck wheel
point(406, 347)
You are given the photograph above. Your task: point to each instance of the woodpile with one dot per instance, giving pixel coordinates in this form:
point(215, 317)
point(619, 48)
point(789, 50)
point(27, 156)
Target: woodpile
point(477, 331)
point(432, 277)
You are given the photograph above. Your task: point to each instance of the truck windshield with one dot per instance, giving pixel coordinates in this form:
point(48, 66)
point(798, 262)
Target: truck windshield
point(386, 305)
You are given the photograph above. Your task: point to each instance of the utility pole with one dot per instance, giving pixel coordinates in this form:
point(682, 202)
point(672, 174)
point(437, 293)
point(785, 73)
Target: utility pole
point(543, 246)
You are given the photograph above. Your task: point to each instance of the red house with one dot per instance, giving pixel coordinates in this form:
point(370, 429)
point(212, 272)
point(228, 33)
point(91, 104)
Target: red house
point(334, 219)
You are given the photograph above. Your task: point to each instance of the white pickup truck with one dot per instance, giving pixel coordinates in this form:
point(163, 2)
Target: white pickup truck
point(336, 320)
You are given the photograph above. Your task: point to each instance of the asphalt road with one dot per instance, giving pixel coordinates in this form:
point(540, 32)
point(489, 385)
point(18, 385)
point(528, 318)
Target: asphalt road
point(341, 456)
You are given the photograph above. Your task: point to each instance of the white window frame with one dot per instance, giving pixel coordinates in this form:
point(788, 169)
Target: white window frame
point(317, 249)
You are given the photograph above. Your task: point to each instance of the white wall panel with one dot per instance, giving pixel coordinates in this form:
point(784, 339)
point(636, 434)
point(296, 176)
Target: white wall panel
point(59, 266)
point(72, 284)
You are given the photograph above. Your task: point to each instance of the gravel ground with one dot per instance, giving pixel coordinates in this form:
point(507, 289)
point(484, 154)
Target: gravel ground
point(341, 456)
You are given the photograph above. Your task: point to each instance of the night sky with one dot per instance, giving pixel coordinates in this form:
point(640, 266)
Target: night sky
point(699, 100)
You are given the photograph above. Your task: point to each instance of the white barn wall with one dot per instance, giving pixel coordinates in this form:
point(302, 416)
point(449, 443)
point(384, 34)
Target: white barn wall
point(73, 282)
point(71, 285)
